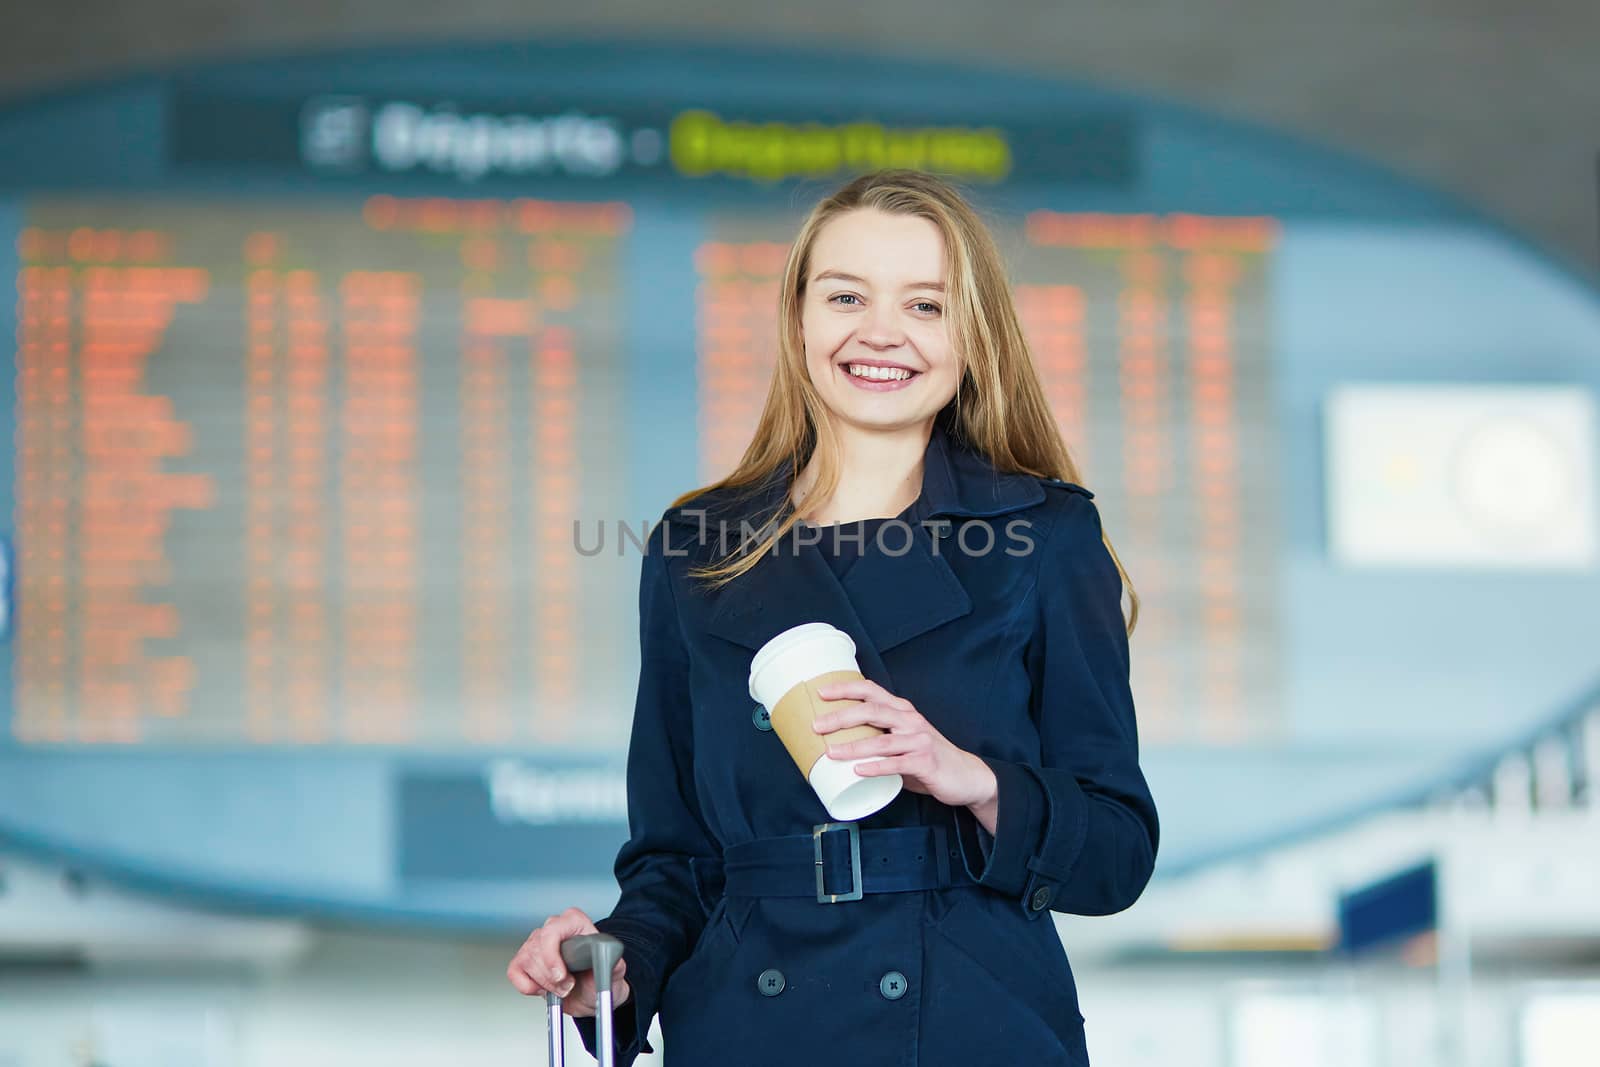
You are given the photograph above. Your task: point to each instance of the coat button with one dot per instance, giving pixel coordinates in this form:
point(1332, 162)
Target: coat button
point(761, 717)
point(892, 985)
point(771, 982)
point(1041, 898)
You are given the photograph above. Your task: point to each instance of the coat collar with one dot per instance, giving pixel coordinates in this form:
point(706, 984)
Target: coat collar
point(883, 599)
point(959, 482)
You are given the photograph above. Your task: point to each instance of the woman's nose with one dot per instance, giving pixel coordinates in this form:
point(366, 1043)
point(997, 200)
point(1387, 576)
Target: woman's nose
point(882, 328)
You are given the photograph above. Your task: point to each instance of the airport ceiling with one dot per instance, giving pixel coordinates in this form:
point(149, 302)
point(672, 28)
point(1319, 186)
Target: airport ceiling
point(1490, 101)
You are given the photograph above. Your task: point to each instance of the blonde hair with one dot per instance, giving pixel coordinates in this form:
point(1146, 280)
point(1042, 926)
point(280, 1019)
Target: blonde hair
point(999, 407)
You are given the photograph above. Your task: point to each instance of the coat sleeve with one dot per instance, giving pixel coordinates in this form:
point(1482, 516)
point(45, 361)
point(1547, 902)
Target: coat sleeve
point(1076, 831)
point(659, 915)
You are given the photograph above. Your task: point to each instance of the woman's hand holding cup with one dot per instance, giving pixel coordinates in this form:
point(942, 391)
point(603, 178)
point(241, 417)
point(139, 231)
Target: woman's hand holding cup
point(784, 678)
point(910, 746)
point(537, 967)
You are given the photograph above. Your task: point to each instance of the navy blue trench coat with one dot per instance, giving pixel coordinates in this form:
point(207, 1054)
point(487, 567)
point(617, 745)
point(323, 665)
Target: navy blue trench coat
point(1001, 622)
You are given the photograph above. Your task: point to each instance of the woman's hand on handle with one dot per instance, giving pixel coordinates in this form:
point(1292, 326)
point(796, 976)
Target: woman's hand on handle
point(537, 967)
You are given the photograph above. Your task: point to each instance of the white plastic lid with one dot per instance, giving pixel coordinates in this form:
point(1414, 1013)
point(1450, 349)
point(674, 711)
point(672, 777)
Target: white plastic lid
point(836, 651)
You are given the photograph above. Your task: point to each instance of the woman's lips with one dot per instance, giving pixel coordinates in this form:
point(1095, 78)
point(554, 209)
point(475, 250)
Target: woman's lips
point(873, 385)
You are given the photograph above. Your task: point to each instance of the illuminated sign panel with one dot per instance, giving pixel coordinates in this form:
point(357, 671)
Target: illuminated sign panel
point(472, 142)
point(318, 478)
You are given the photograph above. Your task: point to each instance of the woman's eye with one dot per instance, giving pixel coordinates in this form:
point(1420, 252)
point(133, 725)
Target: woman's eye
point(933, 309)
point(842, 296)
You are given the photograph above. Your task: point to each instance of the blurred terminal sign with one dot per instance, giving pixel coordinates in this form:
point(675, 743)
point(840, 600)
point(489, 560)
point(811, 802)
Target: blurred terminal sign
point(1388, 912)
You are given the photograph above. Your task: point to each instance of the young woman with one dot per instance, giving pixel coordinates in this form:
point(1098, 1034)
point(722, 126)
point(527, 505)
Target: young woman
point(985, 604)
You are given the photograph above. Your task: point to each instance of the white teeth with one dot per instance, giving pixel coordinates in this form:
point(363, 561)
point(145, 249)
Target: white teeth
point(880, 374)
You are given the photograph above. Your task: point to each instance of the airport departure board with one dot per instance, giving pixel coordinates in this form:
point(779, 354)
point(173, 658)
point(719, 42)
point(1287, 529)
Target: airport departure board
point(323, 472)
point(342, 385)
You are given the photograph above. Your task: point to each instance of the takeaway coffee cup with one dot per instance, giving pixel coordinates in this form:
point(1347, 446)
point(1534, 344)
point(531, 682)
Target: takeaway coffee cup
point(784, 677)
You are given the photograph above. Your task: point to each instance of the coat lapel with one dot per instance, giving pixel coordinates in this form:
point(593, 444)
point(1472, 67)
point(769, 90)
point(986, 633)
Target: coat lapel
point(884, 599)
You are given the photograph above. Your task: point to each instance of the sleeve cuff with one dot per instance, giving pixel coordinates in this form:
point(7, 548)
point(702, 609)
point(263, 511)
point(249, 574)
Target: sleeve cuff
point(1001, 861)
point(630, 1044)
point(1040, 825)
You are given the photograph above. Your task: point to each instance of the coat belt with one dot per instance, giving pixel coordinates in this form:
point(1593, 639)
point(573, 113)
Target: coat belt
point(822, 865)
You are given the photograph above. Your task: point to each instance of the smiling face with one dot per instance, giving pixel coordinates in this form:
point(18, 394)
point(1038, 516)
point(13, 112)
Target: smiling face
point(873, 320)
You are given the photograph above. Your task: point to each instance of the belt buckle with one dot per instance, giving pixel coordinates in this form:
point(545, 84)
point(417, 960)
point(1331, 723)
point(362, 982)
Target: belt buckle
point(855, 861)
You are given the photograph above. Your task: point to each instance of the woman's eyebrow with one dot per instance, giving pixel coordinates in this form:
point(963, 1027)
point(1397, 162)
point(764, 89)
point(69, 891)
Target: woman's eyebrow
point(937, 287)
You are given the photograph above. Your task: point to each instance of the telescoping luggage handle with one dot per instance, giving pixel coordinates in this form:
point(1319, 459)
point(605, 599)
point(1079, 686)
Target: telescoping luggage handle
point(586, 952)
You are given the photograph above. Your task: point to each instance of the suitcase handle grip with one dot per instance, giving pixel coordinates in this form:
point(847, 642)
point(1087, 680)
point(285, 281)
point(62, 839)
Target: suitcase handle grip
point(583, 952)
point(596, 952)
